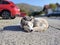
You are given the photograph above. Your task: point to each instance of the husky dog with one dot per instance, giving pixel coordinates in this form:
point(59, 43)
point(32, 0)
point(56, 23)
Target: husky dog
point(27, 23)
point(34, 24)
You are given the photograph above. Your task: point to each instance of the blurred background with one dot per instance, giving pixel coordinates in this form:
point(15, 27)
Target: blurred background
point(37, 7)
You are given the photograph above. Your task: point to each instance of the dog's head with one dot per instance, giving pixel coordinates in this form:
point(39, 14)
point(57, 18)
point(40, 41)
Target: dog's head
point(29, 25)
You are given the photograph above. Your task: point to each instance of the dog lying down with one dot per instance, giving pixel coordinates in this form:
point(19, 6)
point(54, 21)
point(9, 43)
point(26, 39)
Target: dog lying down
point(30, 24)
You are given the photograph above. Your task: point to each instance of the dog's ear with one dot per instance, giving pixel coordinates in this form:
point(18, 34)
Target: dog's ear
point(32, 20)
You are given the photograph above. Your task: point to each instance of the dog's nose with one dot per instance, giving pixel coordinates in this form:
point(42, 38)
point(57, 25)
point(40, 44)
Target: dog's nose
point(31, 30)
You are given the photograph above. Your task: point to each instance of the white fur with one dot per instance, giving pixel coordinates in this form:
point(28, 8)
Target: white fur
point(29, 26)
point(40, 24)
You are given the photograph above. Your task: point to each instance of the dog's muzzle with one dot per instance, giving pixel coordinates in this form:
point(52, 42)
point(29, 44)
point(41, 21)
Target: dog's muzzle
point(31, 30)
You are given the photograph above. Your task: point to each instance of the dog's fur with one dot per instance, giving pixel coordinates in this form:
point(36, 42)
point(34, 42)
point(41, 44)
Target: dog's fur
point(27, 24)
point(39, 24)
point(28, 27)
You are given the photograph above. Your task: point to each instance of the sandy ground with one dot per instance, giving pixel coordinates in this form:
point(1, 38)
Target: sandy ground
point(12, 34)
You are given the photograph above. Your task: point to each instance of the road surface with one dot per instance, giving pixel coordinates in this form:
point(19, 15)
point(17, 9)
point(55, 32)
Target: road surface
point(14, 35)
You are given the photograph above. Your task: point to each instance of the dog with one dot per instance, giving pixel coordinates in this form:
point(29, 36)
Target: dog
point(27, 23)
point(30, 24)
point(40, 24)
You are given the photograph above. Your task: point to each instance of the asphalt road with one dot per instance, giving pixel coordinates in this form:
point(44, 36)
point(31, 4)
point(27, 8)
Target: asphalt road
point(54, 22)
point(13, 35)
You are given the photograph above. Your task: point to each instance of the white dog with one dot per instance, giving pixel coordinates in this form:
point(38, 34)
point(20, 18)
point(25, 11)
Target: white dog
point(34, 24)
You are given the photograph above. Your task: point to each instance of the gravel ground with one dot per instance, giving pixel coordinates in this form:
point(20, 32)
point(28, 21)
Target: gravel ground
point(12, 34)
point(9, 22)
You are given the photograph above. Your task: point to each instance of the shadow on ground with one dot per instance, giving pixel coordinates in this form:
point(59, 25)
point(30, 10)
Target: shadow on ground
point(13, 28)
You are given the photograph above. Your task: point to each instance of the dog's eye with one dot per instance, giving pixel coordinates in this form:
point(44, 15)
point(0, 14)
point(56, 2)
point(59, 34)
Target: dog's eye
point(27, 24)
